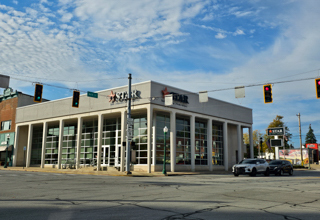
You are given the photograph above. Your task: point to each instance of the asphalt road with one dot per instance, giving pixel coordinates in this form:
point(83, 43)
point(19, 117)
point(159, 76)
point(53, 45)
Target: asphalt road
point(36, 195)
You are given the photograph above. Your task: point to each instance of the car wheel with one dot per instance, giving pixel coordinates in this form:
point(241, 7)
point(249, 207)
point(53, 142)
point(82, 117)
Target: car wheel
point(267, 173)
point(281, 172)
point(254, 172)
point(235, 174)
point(291, 172)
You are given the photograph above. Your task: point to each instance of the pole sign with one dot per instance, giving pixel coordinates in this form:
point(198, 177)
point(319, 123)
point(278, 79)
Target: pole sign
point(275, 131)
point(276, 142)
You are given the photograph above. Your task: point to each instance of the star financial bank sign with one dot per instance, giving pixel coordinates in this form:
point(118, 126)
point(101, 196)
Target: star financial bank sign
point(123, 96)
point(177, 98)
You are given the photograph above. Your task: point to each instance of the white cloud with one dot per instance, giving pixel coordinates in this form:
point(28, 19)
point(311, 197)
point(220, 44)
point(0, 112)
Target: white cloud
point(66, 17)
point(220, 36)
point(136, 20)
point(238, 32)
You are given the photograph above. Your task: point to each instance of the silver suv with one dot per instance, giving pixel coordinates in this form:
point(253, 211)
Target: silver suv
point(251, 167)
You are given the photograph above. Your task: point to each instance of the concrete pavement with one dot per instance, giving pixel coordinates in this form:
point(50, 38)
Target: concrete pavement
point(109, 172)
point(113, 172)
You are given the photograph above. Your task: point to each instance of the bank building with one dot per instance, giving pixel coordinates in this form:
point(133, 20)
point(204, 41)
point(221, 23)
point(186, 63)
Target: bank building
point(203, 136)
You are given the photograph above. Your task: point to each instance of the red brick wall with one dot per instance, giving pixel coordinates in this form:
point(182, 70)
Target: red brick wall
point(8, 112)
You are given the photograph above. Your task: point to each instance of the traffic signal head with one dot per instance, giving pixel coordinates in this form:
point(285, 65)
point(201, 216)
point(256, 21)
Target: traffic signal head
point(75, 99)
point(318, 88)
point(38, 93)
point(267, 93)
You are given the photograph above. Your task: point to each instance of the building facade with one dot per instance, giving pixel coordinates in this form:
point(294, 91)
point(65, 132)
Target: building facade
point(9, 102)
point(201, 136)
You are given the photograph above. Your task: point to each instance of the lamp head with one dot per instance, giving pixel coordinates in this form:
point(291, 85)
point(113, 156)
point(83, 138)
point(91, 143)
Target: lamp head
point(8, 136)
point(165, 129)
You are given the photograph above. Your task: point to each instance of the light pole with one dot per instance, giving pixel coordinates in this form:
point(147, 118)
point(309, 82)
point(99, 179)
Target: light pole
point(6, 160)
point(165, 130)
point(300, 139)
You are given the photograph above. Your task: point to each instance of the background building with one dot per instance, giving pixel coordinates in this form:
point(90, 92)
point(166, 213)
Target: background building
point(202, 136)
point(9, 102)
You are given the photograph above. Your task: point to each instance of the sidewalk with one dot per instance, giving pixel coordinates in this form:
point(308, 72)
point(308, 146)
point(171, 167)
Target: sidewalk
point(109, 172)
point(315, 166)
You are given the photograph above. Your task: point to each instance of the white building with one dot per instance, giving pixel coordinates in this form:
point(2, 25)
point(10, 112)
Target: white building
point(202, 136)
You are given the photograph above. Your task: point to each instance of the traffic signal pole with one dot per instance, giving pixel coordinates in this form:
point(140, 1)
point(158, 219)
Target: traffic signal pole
point(128, 119)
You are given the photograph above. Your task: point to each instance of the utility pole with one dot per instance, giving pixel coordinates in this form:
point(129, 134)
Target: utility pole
point(129, 127)
point(300, 139)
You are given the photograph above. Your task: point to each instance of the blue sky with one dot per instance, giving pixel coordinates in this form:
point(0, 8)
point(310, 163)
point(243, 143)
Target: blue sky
point(195, 45)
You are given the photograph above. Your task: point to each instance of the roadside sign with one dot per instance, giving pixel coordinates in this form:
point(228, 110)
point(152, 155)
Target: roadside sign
point(276, 142)
point(275, 131)
point(130, 121)
point(92, 94)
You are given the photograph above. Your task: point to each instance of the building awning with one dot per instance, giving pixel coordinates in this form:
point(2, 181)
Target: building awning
point(3, 148)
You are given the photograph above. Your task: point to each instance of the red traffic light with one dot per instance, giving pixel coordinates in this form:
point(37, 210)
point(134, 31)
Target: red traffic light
point(317, 81)
point(267, 93)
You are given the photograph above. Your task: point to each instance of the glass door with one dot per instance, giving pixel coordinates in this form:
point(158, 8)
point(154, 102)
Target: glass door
point(105, 160)
point(118, 156)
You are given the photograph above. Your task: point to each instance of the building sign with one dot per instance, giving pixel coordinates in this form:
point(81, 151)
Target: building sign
point(123, 96)
point(176, 97)
point(312, 146)
point(275, 131)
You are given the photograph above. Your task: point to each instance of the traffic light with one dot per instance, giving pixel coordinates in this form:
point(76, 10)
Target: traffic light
point(267, 93)
point(318, 88)
point(75, 99)
point(38, 93)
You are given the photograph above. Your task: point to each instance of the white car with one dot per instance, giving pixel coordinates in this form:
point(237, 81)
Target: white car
point(251, 167)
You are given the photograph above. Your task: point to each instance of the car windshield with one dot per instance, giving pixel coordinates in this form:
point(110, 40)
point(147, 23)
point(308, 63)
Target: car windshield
point(275, 162)
point(248, 162)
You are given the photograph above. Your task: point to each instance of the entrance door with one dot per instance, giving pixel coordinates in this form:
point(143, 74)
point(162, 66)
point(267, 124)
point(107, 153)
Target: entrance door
point(105, 158)
point(118, 156)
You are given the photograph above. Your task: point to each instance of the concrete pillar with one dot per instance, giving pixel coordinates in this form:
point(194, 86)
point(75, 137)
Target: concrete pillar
point(209, 143)
point(154, 139)
point(154, 145)
point(15, 151)
point(251, 142)
point(149, 137)
point(29, 146)
point(123, 139)
point(173, 148)
point(225, 146)
point(61, 127)
point(44, 142)
point(192, 140)
point(99, 144)
point(239, 143)
point(79, 134)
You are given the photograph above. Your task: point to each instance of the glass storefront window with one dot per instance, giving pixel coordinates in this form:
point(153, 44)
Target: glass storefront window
point(217, 144)
point(201, 157)
point(183, 147)
point(163, 119)
point(140, 137)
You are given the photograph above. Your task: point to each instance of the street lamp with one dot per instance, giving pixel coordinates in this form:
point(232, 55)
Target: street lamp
point(5, 162)
point(165, 130)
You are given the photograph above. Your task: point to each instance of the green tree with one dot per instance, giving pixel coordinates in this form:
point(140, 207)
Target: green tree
point(256, 140)
point(310, 137)
point(278, 122)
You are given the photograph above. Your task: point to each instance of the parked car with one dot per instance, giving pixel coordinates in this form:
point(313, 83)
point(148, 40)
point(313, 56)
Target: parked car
point(251, 167)
point(279, 167)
